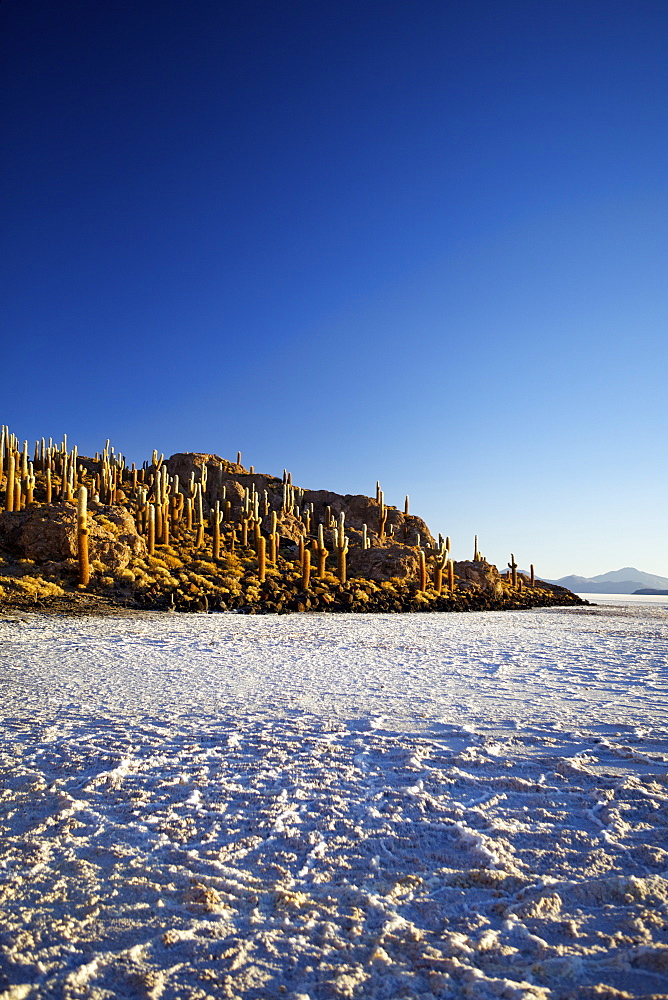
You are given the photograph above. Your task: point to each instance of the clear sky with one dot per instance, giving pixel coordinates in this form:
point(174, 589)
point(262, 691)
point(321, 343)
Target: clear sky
point(415, 241)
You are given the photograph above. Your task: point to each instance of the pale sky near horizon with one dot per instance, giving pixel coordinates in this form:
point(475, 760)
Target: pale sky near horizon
point(420, 242)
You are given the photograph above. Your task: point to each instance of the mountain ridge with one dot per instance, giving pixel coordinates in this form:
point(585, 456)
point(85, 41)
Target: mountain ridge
point(620, 581)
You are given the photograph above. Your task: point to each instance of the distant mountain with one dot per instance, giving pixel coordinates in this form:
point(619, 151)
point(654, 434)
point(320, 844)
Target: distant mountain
point(619, 581)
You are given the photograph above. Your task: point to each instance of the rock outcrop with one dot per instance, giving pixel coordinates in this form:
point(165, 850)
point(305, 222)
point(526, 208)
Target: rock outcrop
point(49, 535)
point(149, 549)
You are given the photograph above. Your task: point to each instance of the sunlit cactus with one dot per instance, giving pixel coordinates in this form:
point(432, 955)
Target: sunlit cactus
point(306, 570)
point(321, 551)
point(341, 548)
point(261, 559)
point(422, 569)
point(82, 537)
point(9, 487)
point(512, 566)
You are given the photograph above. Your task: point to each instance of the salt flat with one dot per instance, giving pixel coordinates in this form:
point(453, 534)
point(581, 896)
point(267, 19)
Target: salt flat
point(336, 806)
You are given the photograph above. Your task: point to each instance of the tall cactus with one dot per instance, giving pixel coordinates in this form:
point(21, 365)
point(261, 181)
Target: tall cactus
point(422, 569)
point(306, 570)
point(82, 537)
point(341, 548)
point(261, 558)
point(273, 538)
point(382, 516)
point(440, 562)
point(512, 566)
point(321, 551)
point(216, 518)
point(9, 488)
point(151, 529)
point(199, 540)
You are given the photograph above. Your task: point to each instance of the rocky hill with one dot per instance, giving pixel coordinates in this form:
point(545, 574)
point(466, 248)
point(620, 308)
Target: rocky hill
point(198, 532)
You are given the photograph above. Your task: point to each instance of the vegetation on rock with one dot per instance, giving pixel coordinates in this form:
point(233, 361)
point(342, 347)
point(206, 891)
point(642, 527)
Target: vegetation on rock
point(197, 532)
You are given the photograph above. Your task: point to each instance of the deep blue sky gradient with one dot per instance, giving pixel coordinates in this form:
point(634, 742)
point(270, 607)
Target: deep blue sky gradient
point(421, 242)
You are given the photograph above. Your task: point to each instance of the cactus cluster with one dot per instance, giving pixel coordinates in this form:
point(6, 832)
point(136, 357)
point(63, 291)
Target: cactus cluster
point(198, 511)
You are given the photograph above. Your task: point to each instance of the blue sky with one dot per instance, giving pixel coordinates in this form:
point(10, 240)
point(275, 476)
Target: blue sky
point(413, 241)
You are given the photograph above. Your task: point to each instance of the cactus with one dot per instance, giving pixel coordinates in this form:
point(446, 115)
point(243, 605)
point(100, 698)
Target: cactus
point(451, 576)
point(321, 551)
point(9, 487)
point(406, 505)
point(164, 515)
point(440, 561)
point(476, 553)
point(306, 570)
point(422, 569)
point(261, 559)
point(151, 529)
point(273, 538)
point(533, 576)
point(199, 540)
point(382, 516)
point(512, 566)
point(176, 507)
point(341, 548)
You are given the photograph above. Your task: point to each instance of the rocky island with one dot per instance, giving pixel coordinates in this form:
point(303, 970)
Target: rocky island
point(196, 532)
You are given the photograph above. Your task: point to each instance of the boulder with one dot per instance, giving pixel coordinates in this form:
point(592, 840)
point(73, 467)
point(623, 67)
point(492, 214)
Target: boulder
point(380, 563)
point(482, 574)
point(49, 534)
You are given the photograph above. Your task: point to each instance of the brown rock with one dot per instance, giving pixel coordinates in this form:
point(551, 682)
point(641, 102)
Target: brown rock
point(48, 534)
point(383, 562)
point(483, 574)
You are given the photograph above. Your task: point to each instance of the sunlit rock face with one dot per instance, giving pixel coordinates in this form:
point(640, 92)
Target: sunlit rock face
point(383, 562)
point(49, 534)
point(482, 574)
